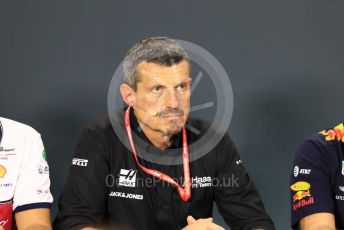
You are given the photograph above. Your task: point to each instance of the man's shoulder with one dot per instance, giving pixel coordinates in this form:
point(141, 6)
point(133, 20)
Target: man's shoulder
point(107, 122)
point(324, 143)
point(328, 137)
point(100, 124)
point(208, 135)
point(16, 128)
point(102, 127)
point(331, 136)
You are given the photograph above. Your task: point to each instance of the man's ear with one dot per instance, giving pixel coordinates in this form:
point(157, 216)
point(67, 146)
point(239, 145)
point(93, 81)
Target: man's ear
point(128, 94)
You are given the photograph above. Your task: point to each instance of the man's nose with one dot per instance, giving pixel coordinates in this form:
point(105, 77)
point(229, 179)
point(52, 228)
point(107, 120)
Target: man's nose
point(171, 99)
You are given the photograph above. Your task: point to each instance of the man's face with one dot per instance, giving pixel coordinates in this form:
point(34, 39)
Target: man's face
point(163, 96)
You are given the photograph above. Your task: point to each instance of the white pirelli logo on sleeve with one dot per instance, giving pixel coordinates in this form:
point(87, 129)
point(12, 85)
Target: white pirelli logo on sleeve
point(79, 162)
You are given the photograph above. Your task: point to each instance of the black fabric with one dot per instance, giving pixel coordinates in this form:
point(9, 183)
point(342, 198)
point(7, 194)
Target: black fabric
point(87, 200)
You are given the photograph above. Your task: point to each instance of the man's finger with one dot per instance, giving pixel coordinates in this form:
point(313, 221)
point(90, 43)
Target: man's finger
point(190, 220)
point(213, 226)
point(210, 219)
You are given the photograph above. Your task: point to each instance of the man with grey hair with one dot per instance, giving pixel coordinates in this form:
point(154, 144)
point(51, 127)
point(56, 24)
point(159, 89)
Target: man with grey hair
point(146, 195)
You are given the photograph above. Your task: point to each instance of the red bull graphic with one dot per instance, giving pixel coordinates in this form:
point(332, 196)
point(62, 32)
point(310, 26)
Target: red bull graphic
point(335, 133)
point(303, 196)
point(300, 195)
point(302, 203)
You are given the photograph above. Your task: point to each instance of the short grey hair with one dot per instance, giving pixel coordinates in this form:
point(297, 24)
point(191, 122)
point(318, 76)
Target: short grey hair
point(160, 50)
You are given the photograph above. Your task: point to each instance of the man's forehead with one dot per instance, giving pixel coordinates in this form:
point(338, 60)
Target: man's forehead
point(148, 71)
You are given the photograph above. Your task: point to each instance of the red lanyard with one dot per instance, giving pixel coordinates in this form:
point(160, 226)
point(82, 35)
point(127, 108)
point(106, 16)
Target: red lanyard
point(185, 194)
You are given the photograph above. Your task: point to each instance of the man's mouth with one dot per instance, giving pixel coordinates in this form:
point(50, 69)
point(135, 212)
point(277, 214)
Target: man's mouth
point(172, 116)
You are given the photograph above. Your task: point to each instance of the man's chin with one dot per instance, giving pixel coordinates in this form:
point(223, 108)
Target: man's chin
point(171, 132)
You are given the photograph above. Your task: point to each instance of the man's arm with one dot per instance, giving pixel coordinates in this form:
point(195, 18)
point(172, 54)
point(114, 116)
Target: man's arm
point(318, 221)
point(33, 219)
point(311, 195)
point(83, 201)
point(32, 198)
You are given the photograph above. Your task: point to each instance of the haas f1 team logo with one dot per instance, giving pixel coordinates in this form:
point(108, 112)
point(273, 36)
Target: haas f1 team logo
point(127, 177)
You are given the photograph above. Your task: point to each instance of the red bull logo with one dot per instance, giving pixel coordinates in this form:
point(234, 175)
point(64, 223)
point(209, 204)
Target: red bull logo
point(335, 133)
point(302, 203)
point(301, 194)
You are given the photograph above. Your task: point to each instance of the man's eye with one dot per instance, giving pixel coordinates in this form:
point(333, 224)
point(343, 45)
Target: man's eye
point(156, 89)
point(182, 86)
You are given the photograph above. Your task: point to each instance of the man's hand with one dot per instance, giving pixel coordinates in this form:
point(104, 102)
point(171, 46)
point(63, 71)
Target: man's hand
point(201, 224)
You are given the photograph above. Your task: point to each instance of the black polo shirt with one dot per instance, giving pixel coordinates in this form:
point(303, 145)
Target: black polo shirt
point(317, 180)
point(136, 200)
